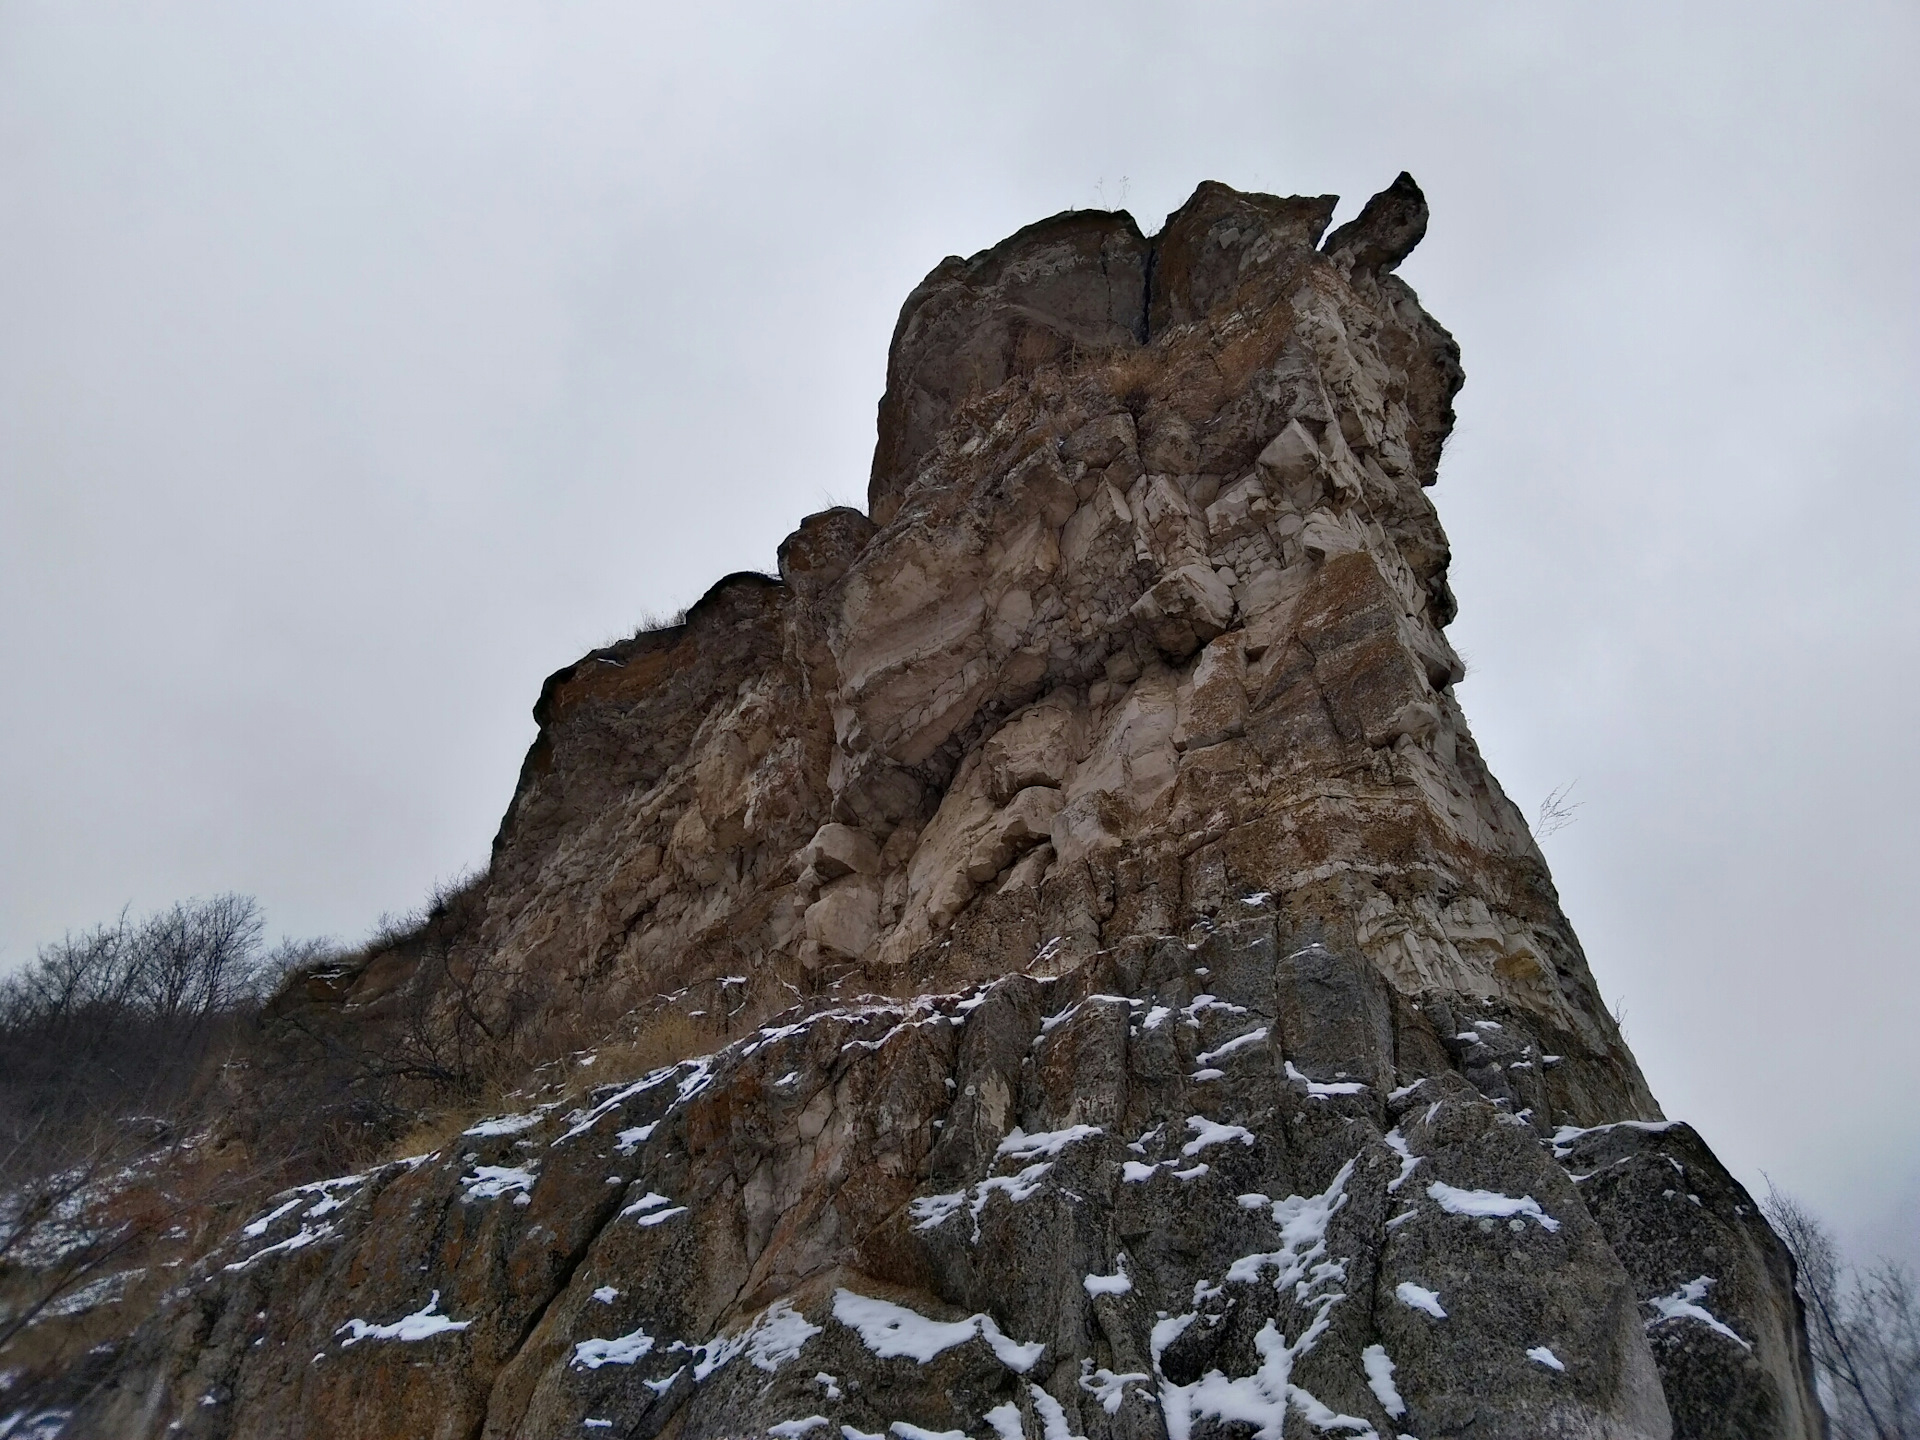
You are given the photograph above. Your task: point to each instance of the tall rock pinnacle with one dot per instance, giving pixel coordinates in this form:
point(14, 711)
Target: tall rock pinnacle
point(1065, 965)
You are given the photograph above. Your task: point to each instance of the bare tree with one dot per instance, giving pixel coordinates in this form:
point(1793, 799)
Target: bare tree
point(118, 1022)
point(194, 961)
point(113, 1045)
point(1864, 1328)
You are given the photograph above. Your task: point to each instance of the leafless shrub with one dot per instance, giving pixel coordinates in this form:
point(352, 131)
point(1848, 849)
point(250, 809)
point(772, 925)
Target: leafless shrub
point(458, 1020)
point(1864, 1327)
point(434, 1026)
point(391, 932)
point(1556, 812)
point(294, 957)
point(411, 928)
point(1618, 1010)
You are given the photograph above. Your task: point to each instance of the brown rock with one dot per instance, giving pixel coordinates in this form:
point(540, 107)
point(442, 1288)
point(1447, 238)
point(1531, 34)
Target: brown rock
point(1234, 1051)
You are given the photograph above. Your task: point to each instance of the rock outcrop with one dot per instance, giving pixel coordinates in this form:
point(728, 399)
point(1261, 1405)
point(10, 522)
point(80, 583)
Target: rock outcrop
point(1135, 1009)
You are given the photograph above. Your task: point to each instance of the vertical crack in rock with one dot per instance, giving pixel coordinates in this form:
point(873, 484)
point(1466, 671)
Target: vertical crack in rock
point(1059, 963)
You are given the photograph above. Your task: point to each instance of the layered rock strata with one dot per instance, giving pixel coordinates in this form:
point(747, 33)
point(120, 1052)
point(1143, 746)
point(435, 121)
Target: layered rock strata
point(1143, 1013)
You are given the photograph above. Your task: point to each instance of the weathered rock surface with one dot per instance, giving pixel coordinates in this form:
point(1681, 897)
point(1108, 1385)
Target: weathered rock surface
point(1145, 1014)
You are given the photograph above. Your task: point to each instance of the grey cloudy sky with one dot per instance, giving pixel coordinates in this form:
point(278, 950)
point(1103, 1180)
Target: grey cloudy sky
point(362, 363)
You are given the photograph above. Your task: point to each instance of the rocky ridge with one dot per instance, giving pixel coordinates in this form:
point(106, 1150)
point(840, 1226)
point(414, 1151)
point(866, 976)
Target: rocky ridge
point(1137, 1010)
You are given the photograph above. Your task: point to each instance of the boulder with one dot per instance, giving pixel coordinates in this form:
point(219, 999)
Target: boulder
point(846, 917)
point(837, 850)
point(1185, 609)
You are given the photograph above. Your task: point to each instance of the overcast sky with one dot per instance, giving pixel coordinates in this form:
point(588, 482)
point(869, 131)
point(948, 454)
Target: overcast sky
point(361, 364)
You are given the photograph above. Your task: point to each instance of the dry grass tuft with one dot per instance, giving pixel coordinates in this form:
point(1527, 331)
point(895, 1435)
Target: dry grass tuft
point(433, 1132)
point(1130, 375)
point(665, 1037)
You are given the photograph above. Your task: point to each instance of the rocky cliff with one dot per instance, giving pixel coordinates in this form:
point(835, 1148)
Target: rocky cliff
point(1069, 971)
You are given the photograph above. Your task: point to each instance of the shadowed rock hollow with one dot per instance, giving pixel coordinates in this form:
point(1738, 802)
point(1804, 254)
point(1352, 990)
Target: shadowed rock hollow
point(1144, 1014)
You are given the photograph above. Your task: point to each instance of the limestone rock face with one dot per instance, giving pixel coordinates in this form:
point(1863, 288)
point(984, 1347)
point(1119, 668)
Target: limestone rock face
point(1139, 1011)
